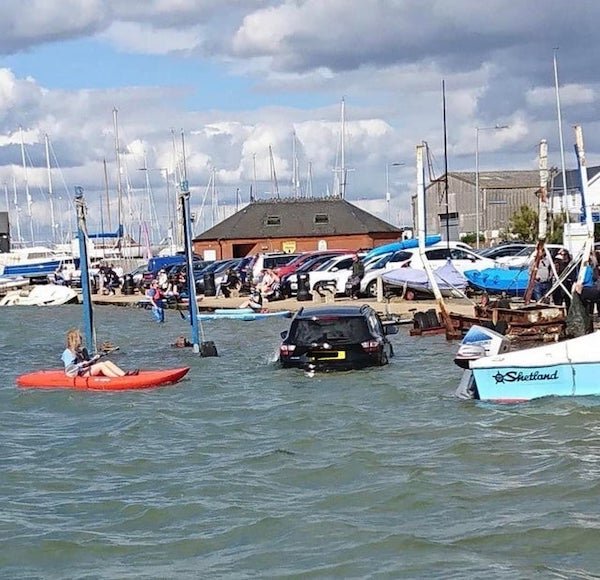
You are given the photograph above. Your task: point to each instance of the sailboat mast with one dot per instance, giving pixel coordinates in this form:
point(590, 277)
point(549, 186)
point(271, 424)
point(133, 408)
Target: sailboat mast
point(27, 193)
point(178, 178)
point(542, 218)
point(118, 161)
point(274, 184)
point(88, 316)
point(17, 209)
point(309, 188)
point(446, 166)
point(295, 180)
point(421, 221)
point(107, 194)
point(50, 188)
point(589, 244)
point(343, 152)
point(560, 141)
point(254, 194)
point(189, 252)
point(213, 199)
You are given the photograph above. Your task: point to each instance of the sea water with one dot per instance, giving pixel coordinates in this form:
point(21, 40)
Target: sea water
point(246, 470)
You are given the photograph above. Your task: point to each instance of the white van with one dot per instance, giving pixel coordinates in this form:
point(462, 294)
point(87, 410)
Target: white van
point(270, 260)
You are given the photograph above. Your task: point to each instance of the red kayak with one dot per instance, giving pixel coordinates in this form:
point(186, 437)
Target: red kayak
point(144, 380)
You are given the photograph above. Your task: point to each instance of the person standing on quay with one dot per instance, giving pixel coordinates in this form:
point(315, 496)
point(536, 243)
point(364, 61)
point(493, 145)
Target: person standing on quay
point(358, 271)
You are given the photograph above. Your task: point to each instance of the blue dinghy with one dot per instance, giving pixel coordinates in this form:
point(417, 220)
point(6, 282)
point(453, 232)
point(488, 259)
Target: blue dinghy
point(241, 314)
point(401, 245)
point(499, 280)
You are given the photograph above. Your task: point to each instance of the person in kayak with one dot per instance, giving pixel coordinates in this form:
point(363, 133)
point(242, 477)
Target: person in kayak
point(254, 301)
point(78, 364)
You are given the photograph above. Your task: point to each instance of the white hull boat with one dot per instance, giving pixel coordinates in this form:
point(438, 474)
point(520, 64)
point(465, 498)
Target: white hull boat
point(565, 369)
point(42, 295)
point(8, 283)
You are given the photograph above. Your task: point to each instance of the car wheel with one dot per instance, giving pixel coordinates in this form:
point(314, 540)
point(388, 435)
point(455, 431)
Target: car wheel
point(371, 289)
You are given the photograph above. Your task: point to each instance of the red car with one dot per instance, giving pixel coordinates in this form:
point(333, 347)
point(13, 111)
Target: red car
point(292, 266)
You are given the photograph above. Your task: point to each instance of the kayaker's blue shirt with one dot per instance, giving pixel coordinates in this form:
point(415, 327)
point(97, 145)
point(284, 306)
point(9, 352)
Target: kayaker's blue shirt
point(71, 362)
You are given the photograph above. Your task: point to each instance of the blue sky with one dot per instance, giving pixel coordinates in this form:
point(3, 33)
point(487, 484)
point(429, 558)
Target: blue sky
point(240, 77)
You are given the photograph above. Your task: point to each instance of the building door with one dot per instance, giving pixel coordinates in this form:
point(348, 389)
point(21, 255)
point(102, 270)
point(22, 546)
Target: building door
point(241, 250)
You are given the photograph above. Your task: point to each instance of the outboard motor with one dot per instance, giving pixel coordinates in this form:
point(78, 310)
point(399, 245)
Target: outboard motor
point(478, 342)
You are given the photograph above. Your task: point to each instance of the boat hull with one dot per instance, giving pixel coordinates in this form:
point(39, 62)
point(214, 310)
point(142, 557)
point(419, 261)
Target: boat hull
point(39, 270)
point(242, 314)
point(56, 379)
point(564, 369)
point(42, 295)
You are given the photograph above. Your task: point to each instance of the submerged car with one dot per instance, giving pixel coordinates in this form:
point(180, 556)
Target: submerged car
point(330, 338)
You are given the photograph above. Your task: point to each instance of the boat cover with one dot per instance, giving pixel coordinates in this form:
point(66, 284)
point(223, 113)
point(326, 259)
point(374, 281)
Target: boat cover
point(499, 280)
point(401, 245)
point(447, 277)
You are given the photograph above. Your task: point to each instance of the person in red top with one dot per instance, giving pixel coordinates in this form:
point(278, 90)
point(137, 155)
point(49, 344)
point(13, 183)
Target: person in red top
point(155, 296)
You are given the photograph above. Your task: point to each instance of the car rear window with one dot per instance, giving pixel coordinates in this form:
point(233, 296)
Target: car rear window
point(340, 330)
point(275, 261)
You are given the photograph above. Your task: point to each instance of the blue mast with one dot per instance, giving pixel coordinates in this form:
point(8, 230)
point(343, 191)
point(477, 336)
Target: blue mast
point(187, 238)
point(88, 315)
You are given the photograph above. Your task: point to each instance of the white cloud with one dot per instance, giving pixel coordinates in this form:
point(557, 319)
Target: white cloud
point(387, 57)
point(144, 38)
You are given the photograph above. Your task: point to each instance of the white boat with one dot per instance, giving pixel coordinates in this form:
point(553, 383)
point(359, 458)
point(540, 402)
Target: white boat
point(8, 283)
point(564, 369)
point(33, 262)
point(41, 295)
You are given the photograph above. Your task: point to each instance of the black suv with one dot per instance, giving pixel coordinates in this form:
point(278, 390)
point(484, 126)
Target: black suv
point(331, 338)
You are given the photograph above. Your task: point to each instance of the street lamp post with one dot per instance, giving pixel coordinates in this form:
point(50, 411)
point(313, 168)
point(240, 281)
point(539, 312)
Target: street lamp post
point(387, 186)
point(477, 192)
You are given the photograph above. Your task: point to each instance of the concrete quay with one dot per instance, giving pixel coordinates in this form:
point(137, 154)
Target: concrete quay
point(400, 308)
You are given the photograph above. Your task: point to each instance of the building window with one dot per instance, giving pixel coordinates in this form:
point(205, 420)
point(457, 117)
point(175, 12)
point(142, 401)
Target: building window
point(321, 218)
point(273, 220)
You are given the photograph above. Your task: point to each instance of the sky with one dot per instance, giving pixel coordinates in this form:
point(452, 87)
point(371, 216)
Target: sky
point(224, 85)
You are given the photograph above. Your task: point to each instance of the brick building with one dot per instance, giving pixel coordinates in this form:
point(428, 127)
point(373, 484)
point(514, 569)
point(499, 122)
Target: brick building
point(294, 225)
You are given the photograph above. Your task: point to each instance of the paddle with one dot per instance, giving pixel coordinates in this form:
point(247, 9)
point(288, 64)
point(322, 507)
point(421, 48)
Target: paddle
point(179, 309)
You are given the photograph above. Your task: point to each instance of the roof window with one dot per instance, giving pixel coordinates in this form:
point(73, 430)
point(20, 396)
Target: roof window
point(273, 220)
point(321, 218)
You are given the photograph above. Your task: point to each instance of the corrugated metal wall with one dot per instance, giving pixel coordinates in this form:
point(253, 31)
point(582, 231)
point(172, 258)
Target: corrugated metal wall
point(497, 204)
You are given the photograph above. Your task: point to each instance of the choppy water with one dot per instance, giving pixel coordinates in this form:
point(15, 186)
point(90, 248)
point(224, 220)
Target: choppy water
point(249, 471)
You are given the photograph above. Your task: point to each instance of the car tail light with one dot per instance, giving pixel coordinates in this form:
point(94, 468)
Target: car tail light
point(287, 349)
point(370, 345)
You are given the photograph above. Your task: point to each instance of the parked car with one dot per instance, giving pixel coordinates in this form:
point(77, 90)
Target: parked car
point(332, 274)
point(526, 256)
point(292, 266)
point(462, 258)
point(213, 267)
point(137, 275)
point(269, 260)
point(289, 283)
point(368, 284)
point(329, 338)
point(503, 250)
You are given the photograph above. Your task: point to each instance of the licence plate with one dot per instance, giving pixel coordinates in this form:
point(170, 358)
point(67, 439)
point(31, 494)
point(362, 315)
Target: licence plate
point(329, 355)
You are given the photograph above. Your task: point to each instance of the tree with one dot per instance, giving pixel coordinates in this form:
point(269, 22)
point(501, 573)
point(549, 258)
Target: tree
point(524, 224)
